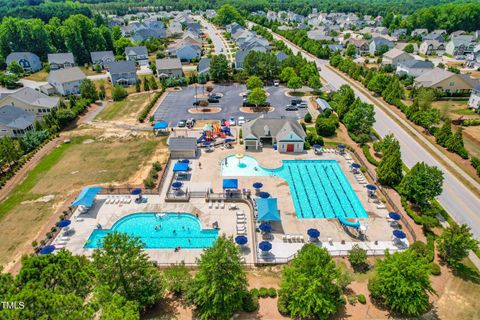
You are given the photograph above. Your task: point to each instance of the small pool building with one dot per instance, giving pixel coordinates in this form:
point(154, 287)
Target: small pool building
point(182, 147)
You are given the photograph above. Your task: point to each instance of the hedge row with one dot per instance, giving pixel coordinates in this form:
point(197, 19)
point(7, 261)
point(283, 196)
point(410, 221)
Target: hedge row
point(143, 115)
point(368, 155)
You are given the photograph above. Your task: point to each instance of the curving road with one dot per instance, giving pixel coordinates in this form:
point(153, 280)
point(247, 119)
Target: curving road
point(462, 204)
point(218, 44)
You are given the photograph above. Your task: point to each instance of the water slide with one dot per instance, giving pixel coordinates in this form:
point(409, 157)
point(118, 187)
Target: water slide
point(350, 224)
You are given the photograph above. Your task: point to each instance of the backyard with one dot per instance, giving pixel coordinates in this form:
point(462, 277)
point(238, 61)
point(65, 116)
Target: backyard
point(127, 109)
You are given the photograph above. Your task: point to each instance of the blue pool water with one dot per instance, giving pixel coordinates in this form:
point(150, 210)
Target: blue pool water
point(319, 188)
point(176, 230)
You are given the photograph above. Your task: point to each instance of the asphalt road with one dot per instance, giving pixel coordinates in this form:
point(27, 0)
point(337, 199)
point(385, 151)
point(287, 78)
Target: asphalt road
point(462, 204)
point(217, 42)
point(176, 104)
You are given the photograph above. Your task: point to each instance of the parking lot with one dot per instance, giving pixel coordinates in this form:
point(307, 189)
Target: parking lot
point(176, 104)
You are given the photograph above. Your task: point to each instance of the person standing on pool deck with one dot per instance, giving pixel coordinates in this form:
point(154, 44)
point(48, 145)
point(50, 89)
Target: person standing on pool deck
point(200, 165)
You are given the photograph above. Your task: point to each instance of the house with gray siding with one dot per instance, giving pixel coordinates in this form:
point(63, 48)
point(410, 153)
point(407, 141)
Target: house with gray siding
point(169, 67)
point(122, 72)
point(66, 81)
point(60, 60)
point(15, 122)
point(102, 58)
point(137, 54)
point(30, 62)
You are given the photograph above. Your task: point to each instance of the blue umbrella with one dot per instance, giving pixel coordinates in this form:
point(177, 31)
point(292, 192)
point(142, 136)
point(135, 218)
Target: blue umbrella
point(395, 216)
point(257, 185)
point(184, 161)
point(264, 195)
point(371, 187)
point(399, 234)
point(313, 233)
point(316, 146)
point(177, 184)
point(265, 227)
point(341, 146)
point(265, 246)
point(355, 165)
point(206, 143)
point(47, 249)
point(64, 223)
point(136, 191)
point(241, 240)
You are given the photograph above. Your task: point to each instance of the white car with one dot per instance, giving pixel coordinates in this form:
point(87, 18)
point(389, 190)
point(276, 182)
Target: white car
point(232, 121)
point(241, 120)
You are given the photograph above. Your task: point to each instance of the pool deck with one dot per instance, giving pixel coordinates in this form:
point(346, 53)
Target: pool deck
point(332, 235)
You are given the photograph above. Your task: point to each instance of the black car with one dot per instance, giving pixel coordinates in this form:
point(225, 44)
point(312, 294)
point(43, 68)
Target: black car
point(200, 102)
point(213, 99)
point(214, 95)
point(296, 101)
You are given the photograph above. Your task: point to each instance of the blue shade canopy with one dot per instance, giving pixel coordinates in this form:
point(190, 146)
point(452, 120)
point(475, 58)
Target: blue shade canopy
point(341, 146)
point(230, 183)
point(241, 240)
point(265, 227)
point(394, 216)
point(264, 195)
point(316, 146)
point(64, 223)
point(399, 234)
point(160, 125)
point(47, 249)
point(228, 140)
point(355, 165)
point(265, 246)
point(206, 143)
point(86, 197)
point(184, 161)
point(313, 233)
point(136, 191)
point(267, 209)
point(257, 185)
point(177, 184)
point(371, 187)
point(180, 167)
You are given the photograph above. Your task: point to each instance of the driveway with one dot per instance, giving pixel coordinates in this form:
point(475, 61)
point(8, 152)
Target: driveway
point(176, 104)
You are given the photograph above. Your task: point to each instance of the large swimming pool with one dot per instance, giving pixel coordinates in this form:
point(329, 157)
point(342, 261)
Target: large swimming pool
point(319, 188)
point(157, 231)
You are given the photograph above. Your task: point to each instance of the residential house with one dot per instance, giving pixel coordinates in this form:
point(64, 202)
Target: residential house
point(438, 35)
point(281, 56)
point(175, 29)
point(414, 68)
point(419, 32)
point(147, 34)
point(360, 44)
point(335, 47)
point(66, 81)
point(476, 35)
point(377, 43)
point(188, 52)
point(182, 147)
point(474, 100)
point(204, 66)
point(169, 67)
point(319, 34)
point(137, 54)
point(397, 33)
point(395, 57)
point(457, 33)
point(30, 100)
point(15, 122)
point(402, 45)
point(431, 47)
point(122, 72)
point(233, 28)
point(460, 45)
point(322, 105)
point(102, 58)
point(60, 60)
point(210, 14)
point(445, 81)
point(286, 133)
point(191, 38)
point(240, 56)
point(30, 62)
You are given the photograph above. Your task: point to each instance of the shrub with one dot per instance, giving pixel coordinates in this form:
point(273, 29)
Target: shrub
point(157, 166)
point(119, 93)
point(263, 292)
point(357, 257)
point(250, 302)
point(361, 298)
point(325, 127)
point(272, 293)
point(254, 291)
point(153, 174)
point(143, 115)
point(352, 300)
point(282, 306)
point(308, 117)
point(149, 183)
point(368, 155)
point(435, 269)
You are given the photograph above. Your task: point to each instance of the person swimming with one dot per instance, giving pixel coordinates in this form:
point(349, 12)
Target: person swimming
point(255, 168)
point(174, 231)
point(183, 228)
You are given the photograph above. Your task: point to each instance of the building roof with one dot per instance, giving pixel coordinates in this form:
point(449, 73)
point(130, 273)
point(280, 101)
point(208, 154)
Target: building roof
point(182, 144)
point(116, 67)
point(417, 64)
point(204, 65)
point(66, 75)
point(16, 56)
point(136, 51)
point(101, 55)
point(437, 75)
point(322, 104)
point(394, 53)
point(61, 57)
point(168, 63)
point(15, 118)
point(281, 56)
point(276, 127)
point(33, 97)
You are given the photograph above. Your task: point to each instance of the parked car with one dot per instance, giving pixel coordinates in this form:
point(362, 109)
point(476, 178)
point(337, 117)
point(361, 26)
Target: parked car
point(276, 83)
point(232, 121)
point(241, 120)
point(291, 108)
point(214, 95)
point(295, 102)
point(213, 100)
point(191, 122)
point(302, 104)
point(203, 103)
point(182, 123)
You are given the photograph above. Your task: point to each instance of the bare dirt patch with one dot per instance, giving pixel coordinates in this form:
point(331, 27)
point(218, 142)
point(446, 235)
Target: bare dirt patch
point(204, 110)
point(256, 110)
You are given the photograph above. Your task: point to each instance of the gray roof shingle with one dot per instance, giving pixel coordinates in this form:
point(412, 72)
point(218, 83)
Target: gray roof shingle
point(182, 144)
point(16, 118)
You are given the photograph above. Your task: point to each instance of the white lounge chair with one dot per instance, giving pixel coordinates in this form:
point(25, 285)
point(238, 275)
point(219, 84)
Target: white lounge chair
point(222, 205)
point(284, 237)
point(381, 206)
point(210, 204)
point(108, 200)
point(216, 205)
point(117, 200)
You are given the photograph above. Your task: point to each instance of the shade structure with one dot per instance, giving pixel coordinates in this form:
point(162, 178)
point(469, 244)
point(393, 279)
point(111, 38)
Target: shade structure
point(180, 167)
point(265, 246)
point(184, 161)
point(228, 140)
point(341, 146)
point(241, 240)
point(47, 249)
point(136, 191)
point(313, 233)
point(257, 185)
point(159, 125)
point(394, 215)
point(230, 184)
point(355, 165)
point(264, 195)
point(265, 227)
point(267, 209)
point(316, 146)
point(371, 187)
point(64, 223)
point(206, 143)
point(177, 184)
point(207, 127)
point(239, 156)
point(86, 197)
point(399, 234)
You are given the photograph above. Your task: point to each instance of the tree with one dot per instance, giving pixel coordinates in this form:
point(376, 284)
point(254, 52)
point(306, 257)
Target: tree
point(178, 278)
point(325, 127)
point(257, 96)
point(220, 283)
point(138, 87)
point(228, 14)
point(287, 73)
point(381, 50)
point(409, 48)
point(124, 267)
point(15, 68)
point(360, 118)
point(101, 91)
point(309, 287)
point(294, 83)
point(357, 257)
point(455, 144)
point(254, 82)
point(114, 306)
point(454, 243)
point(307, 118)
point(390, 168)
point(444, 133)
point(120, 45)
point(146, 85)
point(393, 92)
point(402, 283)
point(351, 51)
point(119, 93)
point(422, 184)
point(314, 83)
point(343, 100)
point(219, 70)
point(153, 83)
point(88, 90)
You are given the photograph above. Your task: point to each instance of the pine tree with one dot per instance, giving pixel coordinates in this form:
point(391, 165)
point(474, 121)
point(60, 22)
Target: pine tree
point(455, 144)
point(390, 171)
point(444, 133)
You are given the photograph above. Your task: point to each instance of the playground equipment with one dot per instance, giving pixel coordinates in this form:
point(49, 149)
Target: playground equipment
point(349, 224)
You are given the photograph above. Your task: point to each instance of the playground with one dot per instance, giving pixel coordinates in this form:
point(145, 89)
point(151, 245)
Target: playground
point(213, 134)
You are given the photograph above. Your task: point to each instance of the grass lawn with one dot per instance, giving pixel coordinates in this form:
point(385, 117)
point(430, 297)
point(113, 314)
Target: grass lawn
point(38, 76)
point(472, 146)
point(89, 72)
point(454, 109)
point(62, 173)
point(130, 89)
point(128, 108)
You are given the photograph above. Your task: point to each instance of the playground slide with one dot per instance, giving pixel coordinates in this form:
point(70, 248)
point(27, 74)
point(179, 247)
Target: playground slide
point(350, 224)
point(202, 137)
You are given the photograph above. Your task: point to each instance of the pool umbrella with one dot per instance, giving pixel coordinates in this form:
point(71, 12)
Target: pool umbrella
point(184, 161)
point(64, 223)
point(264, 195)
point(355, 165)
point(176, 184)
point(47, 249)
point(265, 246)
point(241, 240)
point(399, 234)
point(136, 191)
point(371, 187)
point(316, 146)
point(313, 233)
point(257, 185)
point(394, 216)
point(265, 227)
